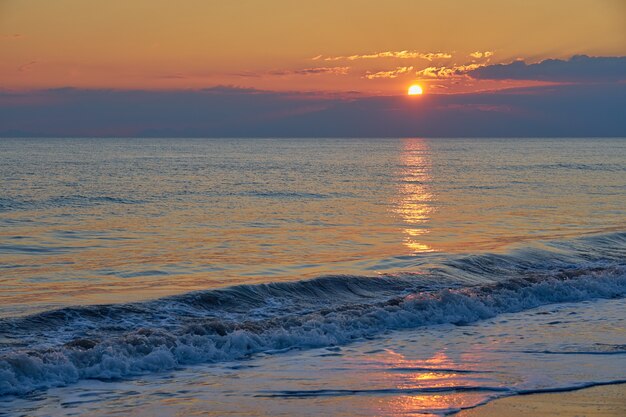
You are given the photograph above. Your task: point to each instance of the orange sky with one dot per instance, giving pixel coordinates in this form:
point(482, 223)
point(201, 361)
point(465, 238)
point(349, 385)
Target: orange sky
point(368, 46)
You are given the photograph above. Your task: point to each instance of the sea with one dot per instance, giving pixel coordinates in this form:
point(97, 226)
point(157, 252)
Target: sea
point(307, 277)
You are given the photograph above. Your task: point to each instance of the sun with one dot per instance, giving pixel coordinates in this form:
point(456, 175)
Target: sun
point(415, 90)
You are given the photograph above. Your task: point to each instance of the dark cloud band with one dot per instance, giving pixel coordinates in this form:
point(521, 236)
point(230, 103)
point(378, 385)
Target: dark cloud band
point(579, 68)
point(556, 110)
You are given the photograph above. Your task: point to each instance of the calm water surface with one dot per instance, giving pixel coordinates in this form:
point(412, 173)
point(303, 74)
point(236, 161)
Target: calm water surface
point(106, 220)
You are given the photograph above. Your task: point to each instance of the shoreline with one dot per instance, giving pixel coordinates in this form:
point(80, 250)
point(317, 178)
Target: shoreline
point(598, 401)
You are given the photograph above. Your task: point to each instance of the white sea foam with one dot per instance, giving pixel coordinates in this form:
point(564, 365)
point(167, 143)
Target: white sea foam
point(201, 340)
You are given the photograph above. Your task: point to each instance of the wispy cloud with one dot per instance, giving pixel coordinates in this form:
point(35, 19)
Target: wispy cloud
point(456, 70)
point(27, 66)
point(405, 54)
point(11, 37)
point(177, 76)
point(289, 72)
point(260, 74)
point(388, 74)
point(447, 72)
point(479, 54)
point(312, 71)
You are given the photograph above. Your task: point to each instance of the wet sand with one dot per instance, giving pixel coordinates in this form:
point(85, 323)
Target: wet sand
point(603, 401)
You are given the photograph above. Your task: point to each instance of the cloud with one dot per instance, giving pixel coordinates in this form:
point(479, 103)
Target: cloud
point(27, 67)
point(405, 54)
point(579, 68)
point(232, 89)
point(177, 76)
point(447, 72)
point(478, 54)
point(312, 71)
point(289, 72)
point(260, 74)
point(388, 74)
point(12, 37)
point(579, 110)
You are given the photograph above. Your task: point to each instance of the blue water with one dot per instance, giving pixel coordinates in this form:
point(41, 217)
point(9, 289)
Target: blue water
point(135, 261)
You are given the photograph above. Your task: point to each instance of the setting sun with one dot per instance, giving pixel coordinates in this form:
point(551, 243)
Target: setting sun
point(415, 90)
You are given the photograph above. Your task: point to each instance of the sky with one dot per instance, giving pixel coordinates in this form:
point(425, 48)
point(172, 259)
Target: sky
point(280, 68)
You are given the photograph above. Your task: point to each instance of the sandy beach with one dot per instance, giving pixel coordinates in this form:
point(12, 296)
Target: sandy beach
point(605, 401)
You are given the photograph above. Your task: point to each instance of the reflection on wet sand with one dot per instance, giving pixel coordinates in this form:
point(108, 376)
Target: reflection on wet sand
point(414, 203)
point(445, 380)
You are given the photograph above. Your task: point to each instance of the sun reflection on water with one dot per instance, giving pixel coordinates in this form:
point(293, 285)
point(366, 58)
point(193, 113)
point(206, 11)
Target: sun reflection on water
point(434, 373)
point(414, 204)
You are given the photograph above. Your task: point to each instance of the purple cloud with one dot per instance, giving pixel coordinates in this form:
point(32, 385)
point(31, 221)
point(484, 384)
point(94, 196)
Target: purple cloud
point(579, 68)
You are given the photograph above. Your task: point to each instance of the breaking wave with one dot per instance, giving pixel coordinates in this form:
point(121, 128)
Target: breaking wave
point(63, 346)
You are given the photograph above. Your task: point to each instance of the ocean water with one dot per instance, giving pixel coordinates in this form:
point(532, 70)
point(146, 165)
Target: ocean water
point(307, 276)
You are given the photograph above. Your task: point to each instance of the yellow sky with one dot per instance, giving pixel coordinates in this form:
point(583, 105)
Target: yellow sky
point(271, 44)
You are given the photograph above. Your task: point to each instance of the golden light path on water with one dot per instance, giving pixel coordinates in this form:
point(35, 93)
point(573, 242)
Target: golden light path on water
point(414, 196)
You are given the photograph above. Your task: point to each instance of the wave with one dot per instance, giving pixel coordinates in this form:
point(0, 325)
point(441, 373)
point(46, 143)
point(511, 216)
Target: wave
point(13, 204)
point(86, 201)
point(63, 346)
point(381, 391)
